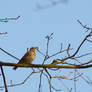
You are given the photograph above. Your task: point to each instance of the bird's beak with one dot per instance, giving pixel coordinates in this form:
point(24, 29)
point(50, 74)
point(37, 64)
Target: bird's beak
point(36, 48)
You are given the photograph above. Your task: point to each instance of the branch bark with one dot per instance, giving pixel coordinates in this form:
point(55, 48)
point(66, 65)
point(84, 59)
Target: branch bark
point(46, 66)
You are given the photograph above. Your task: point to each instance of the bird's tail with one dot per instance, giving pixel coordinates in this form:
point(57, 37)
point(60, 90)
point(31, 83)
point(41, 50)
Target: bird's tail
point(14, 68)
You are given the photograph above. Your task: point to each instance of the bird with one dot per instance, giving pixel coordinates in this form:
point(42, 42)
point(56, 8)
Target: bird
point(28, 57)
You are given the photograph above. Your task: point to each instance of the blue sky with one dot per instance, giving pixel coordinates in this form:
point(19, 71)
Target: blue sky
point(32, 27)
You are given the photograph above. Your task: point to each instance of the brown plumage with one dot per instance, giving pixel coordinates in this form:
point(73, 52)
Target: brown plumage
point(28, 57)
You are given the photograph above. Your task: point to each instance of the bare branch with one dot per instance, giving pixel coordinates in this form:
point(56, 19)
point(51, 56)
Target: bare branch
point(21, 83)
point(84, 26)
point(40, 82)
point(81, 44)
point(89, 40)
point(83, 78)
point(9, 54)
point(74, 80)
point(83, 55)
point(46, 66)
point(3, 33)
point(8, 19)
point(59, 52)
point(40, 52)
point(5, 85)
point(68, 50)
point(74, 54)
point(48, 39)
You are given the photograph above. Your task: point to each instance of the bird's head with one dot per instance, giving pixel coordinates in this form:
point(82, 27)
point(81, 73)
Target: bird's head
point(33, 48)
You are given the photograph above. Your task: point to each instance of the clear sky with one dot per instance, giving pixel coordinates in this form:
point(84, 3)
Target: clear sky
point(32, 27)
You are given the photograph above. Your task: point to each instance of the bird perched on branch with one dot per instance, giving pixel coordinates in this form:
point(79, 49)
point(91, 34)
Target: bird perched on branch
point(28, 57)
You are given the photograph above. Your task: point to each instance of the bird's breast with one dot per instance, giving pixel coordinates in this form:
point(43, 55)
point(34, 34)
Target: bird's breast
point(30, 58)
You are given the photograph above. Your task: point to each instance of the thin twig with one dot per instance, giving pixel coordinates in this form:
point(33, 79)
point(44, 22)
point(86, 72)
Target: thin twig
point(39, 90)
point(84, 26)
point(64, 84)
point(74, 79)
point(47, 48)
point(12, 85)
point(68, 50)
point(50, 86)
point(59, 52)
point(83, 55)
point(83, 78)
point(40, 52)
point(9, 54)
point(81, 45)
point(7, 19)
point(89, 40)
point(47, 72)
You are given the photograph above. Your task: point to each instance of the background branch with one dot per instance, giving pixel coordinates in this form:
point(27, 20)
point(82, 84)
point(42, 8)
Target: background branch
point(5, 85)
point(8, 19)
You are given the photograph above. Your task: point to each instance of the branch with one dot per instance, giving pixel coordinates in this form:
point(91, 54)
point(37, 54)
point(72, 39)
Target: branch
point(74, 54)
point(45, 66)
point(9, 54)
point(3, 33)
point(84, 26)
point(8, 19)
point(6, 89)
point(21, 83)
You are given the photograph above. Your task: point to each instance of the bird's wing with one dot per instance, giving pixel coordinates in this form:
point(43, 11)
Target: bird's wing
point(24, 58)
